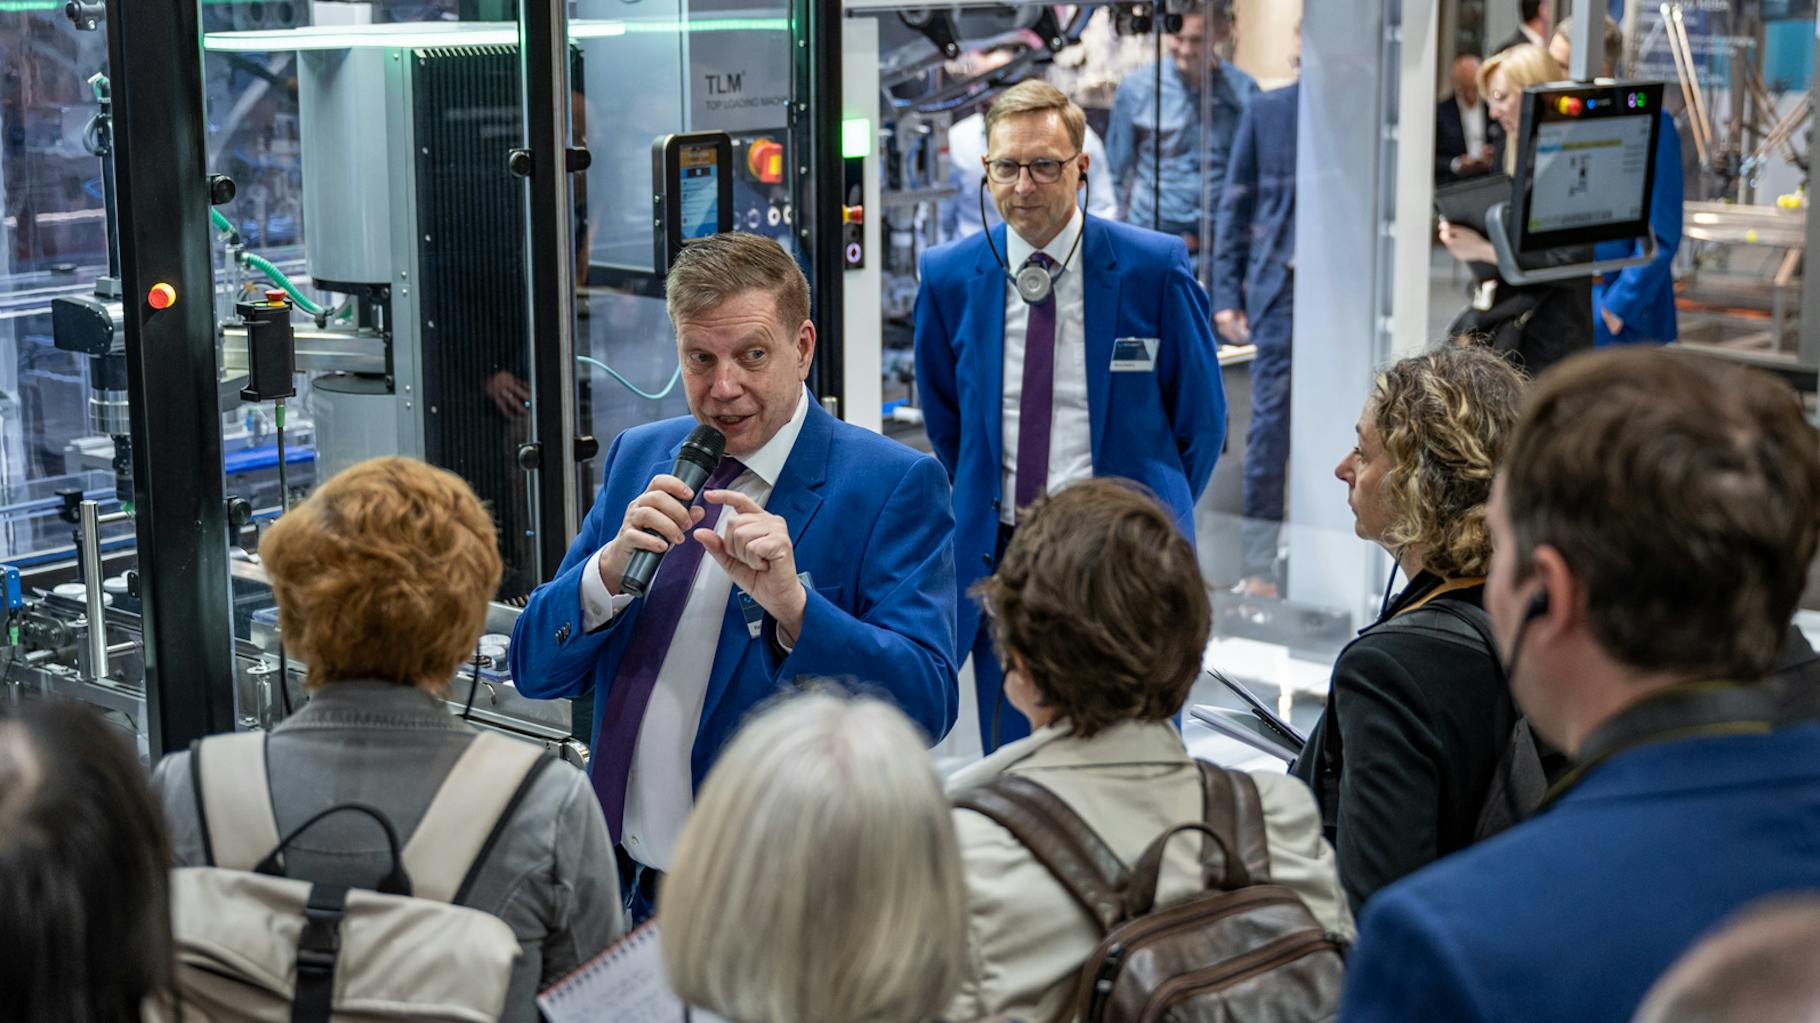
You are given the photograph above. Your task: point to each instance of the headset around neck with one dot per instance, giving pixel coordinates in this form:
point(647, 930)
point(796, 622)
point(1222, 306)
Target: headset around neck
point(1034, 283)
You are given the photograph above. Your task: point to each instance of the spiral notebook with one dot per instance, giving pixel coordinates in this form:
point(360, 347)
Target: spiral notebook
point(624, 984)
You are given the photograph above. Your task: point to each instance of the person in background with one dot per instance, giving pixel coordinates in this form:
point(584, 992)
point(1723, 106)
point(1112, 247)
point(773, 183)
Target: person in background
point(1110, 371)
point(1637, 303)
point(966, 155)
point(1467, 137)
point(1254, 302)
point(382, 580)
point(1169, 165)
point(1532, 26)
point(1651, 529)
point(1533, 325)
point(1761, 966)
point(85, 920)
point(1418, 713)
point(818, 880)
point(1101, 617)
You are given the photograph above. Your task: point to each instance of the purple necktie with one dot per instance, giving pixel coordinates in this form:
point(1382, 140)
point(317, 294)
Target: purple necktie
point(1038, 400)
point(611, 762)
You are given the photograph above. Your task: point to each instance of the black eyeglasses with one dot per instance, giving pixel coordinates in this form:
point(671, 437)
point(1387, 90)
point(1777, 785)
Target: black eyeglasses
point(1043, 172)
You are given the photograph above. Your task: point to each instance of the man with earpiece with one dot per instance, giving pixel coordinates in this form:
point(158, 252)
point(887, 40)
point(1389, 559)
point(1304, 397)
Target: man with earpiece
point(1055, 347)
point(1652, 528)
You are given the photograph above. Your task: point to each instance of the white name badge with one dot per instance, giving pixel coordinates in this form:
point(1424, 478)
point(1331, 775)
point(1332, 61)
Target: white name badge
point(755, 615)
point(1134, 355)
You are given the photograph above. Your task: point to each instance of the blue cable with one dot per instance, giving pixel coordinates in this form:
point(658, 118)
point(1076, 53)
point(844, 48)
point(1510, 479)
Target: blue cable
point(629, 385)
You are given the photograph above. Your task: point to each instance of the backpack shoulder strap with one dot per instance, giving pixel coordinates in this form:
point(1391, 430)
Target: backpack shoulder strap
point(1236, 811)
point(1460, 621)
point(1058, 838)
point(468, 815)
point(232, 792)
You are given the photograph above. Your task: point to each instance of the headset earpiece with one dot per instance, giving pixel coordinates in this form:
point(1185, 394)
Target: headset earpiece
point(1538, 606)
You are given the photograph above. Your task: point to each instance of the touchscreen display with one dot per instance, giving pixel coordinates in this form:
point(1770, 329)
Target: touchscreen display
point(1590, 173)
point(700, 187)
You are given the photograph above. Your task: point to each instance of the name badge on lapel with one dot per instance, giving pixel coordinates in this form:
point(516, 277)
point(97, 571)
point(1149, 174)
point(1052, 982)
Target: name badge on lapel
point(754, 615)
point(1134, 355)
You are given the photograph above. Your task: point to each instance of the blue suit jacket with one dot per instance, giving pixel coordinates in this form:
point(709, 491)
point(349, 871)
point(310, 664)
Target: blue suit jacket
point(1255, 239)
point(1573, 915)
point(1163, 429)
point(870, 521)
point(1644, 296)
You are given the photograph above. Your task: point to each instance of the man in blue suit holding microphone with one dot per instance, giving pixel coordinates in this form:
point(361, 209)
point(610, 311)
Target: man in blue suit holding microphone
point(828, 553)
point(1064, 347)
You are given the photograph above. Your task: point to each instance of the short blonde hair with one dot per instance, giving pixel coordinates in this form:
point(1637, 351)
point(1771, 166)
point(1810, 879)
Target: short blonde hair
point(1523, 65)
point(384, 573)
point(1445, 418)
point(716, 268)
point(1035, 96)
point(818, 879)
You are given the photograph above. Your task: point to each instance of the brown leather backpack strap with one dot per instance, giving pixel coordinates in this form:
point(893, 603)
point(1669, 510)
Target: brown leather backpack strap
point(1140, 894)
point(1235, 811)
point(1058, 838)
point(1252, 839)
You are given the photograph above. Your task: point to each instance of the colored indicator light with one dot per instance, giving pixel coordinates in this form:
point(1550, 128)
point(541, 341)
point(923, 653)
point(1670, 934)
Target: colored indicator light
point(162, 296)
point(1569, 105)
point(855, 137)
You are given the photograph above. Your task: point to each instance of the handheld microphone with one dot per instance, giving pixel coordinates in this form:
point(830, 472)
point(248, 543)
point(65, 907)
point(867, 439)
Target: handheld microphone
point(699, 456)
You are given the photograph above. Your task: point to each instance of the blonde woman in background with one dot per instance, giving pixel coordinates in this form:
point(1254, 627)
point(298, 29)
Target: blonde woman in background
point(1532, 325)
point(817, 880)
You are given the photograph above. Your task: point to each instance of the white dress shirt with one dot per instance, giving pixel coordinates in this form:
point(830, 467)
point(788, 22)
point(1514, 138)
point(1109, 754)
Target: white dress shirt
point(659, 793)
point(1472, 124)
point(1071, 429)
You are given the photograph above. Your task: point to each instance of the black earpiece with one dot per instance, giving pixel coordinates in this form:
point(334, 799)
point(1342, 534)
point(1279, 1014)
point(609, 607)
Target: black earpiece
point(1538, 606)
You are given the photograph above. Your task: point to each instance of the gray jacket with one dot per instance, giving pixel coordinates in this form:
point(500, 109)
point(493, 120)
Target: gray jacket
point(551, 878)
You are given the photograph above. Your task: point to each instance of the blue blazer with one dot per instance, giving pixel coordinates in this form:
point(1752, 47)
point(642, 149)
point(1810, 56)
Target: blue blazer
point(1255, 239)
point(1644, 296)
point(870, 521)
point(1163, 429)
point(1571, 916)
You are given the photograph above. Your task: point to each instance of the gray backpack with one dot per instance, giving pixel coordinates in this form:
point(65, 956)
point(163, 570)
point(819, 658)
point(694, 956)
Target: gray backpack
point(254, 945)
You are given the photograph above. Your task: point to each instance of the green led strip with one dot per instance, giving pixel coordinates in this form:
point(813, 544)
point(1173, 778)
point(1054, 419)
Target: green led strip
point(27, 6)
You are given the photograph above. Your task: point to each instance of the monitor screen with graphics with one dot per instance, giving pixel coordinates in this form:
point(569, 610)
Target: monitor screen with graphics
point(1586, 164)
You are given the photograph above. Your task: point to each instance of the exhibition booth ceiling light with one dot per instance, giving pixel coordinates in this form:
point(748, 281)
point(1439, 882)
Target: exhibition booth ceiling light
point(407, 35)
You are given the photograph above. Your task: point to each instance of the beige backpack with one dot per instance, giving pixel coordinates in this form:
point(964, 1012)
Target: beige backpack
point(255, 946)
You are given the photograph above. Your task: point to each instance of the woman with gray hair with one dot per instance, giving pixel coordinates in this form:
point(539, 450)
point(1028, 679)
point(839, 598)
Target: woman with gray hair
point(818, 880)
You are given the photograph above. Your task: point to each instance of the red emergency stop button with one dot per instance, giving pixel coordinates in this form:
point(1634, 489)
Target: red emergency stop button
point(162, 296)
point(274, 296)
point(765, 161)
point(852, 214)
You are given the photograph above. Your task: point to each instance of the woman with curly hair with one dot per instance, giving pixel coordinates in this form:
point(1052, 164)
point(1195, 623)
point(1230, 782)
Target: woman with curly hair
point(1418, 714)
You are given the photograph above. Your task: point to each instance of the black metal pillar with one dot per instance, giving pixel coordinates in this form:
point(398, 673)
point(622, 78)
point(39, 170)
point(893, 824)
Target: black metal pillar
point(155, 61)
point(816, 67)
point(545, 163)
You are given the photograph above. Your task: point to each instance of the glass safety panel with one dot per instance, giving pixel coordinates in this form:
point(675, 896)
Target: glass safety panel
point(1739, 93)
point(649, 70)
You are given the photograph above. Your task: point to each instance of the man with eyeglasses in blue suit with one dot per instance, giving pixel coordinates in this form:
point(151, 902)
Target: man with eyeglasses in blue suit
point(1055, 347)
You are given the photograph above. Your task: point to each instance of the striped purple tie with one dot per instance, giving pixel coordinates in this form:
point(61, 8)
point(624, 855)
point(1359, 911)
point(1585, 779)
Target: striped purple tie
point(611, 762)
point(1038, 401)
